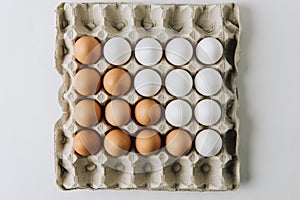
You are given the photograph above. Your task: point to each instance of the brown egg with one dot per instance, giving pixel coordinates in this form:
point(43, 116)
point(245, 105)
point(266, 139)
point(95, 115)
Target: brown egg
point(147, 142)
point(87, 113)
point(117, 81)
point(117, 142)
point(87, 142)
point(178, 142)
point(117, 112)
point(87, 50)
point(147, 112)
point(87, 81)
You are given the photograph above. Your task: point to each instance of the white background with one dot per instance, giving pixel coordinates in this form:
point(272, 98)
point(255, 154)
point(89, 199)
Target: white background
point(269, 111)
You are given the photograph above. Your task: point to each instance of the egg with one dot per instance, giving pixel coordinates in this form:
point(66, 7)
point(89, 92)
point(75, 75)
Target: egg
point(208, 143)
point(87, 81)
point(87, 50)
point(148, 51)
point(147, 112)
point(179, 51)
point(208, 81)
point(147, 82)
point(209, 50)
point(87, 113)
point(207, 112)
point(117, 112)
point(178, 113)
point(148, 142)
point(179, 82)
point(87, 142)
point(117, 81)
point(117, 143)
point(178, 142)
point(117, 51)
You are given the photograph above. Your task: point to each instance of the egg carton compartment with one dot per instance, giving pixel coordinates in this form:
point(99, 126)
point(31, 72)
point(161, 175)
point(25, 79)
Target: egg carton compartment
point(160, 171)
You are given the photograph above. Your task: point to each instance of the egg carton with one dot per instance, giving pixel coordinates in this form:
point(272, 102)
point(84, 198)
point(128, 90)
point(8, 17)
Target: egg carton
point(161, 171)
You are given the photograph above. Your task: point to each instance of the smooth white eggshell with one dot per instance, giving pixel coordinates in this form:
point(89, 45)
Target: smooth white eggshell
point(148, 51)
point(117, 51)
point(178, 113)
point(147, 82)
point(208, 81)
point(207, 112)
point(209, 50)
point(179, 51)
point(179, 82)
point(208, 143)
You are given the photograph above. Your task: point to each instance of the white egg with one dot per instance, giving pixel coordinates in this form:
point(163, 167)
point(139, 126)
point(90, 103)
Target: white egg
point(179, 51)
point(208, 143)
point(147, 82)
point(207, 112)
point(208, 81)
point(178, 113)
point(179, 82)
point(148, 51)
point(209, 50)
point(117, 51)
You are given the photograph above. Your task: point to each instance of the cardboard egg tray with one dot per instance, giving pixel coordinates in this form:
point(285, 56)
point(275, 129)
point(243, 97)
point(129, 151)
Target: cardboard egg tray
point(160, 171)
